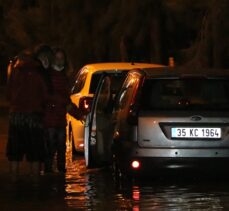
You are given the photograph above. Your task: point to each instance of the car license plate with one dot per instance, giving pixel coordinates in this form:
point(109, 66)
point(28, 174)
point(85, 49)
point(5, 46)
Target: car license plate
point(210, 133)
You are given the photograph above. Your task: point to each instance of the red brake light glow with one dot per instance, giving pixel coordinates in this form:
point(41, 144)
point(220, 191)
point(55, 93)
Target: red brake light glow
point(135, 164)
point(81, 145)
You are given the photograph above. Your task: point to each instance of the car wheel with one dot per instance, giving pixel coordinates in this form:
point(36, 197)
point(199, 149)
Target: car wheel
point(116, 170)
point(120, 178)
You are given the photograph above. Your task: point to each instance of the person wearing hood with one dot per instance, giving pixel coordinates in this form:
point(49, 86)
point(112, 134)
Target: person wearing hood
point(27, 93)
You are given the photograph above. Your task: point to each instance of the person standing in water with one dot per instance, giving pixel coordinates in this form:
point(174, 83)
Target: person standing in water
point(55, 114)
point(27, 94)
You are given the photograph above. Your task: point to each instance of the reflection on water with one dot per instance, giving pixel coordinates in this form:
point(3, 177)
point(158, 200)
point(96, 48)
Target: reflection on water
point(97, 190)
point(82, 189)
point(174, 198)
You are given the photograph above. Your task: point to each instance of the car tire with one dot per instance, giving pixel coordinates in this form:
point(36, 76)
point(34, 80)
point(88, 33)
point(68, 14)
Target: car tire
point(116, 170)
point(121, 179)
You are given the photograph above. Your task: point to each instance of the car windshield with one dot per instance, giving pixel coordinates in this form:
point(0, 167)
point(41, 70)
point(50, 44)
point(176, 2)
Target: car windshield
point(185, 94)
point(117, 79)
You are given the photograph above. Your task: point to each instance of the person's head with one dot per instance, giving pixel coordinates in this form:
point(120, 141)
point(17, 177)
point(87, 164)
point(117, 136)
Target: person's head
point(60, 60)
point(45, 55)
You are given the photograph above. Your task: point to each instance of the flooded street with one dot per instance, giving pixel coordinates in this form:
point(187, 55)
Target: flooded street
point(96, 190)
point(82, 189)
point(142, 87)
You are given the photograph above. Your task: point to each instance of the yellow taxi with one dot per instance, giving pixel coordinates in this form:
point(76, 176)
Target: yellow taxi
point(84, 88)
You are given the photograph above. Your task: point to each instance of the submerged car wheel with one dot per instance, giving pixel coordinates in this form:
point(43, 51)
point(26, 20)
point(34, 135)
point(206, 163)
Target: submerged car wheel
point(116, 170)
point(118, 175)
point(121, 178)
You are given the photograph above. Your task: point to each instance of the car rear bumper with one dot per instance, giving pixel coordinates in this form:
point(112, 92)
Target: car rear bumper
point(181, 167)
point(171, 159)
point(181, 153)
point(181, 163)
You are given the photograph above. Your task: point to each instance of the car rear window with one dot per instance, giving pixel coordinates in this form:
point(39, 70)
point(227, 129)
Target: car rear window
point(185, 94)
point(117, 79)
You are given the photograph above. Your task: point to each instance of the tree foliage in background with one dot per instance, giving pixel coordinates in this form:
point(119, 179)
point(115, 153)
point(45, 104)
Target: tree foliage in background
point(112, 30)
point(211, 49)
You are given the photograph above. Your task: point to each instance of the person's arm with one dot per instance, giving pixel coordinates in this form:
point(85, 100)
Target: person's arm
point(74, 111)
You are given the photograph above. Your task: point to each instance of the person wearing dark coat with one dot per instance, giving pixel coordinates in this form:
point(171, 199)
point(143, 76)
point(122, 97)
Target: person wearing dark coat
point(27, 93)
point(55, 113)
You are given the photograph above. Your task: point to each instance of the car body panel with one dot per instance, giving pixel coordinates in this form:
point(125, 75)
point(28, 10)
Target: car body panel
point(78, 126)
point(146, 136)
point(154, 130)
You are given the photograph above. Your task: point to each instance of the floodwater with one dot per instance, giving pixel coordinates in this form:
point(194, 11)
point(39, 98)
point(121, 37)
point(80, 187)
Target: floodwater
point(82, 189)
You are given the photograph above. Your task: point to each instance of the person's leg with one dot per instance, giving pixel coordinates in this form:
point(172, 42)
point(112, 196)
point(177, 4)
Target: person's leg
point(14, 170)
point(15, 145)
point(35, 170)
point(61, 150)
point(51, 140)
point(35, 149)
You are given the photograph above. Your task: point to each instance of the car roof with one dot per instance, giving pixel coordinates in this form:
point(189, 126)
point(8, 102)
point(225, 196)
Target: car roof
point(183, 72)
point(119, 66)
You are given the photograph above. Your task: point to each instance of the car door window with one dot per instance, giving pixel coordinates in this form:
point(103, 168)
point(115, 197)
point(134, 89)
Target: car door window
point(80, 81)
point(104, 96)
point(117, 79)
point(94, 82)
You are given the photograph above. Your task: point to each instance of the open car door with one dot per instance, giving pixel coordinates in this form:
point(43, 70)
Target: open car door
point(98, 135)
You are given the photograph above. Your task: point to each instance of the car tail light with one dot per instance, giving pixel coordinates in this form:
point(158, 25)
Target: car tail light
point(81, 145)
point(85, 104)
point(135, 164)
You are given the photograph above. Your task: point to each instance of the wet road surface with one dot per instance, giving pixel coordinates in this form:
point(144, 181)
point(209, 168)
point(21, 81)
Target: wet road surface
point(81, 189)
